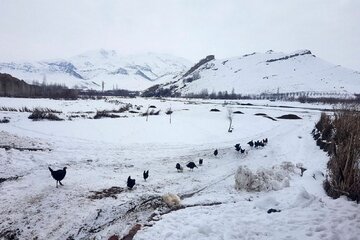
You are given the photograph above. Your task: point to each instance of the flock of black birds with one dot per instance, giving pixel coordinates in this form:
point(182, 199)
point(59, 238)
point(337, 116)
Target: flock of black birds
point(258, 143)
point(59, 175)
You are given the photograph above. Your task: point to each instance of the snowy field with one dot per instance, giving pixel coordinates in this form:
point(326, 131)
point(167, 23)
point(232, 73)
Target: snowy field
point(101, 153)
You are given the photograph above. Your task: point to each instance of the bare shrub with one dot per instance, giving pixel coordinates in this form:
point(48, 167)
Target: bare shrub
point(323, 122)
point(123, 108)
point(105, 114)
point(41, 114)
point(344, 165)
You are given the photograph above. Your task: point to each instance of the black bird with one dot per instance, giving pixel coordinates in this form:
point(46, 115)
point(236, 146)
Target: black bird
point(58, 175)
point(272, 210)
point(130, 182)
point(146, 174)
point(216, 152)
point(201, 161)
point(302, 169)
point(179, 167)
point(265, 140)
point(242, 150)
point(191, 165)
point(251, 143)
point(237, 147)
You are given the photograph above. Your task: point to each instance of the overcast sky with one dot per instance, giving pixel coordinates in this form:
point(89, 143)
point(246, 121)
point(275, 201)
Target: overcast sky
point(45, 29)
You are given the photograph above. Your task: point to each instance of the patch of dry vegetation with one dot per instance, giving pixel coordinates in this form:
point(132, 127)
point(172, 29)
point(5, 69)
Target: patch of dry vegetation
point(105, 114)
point(44, 113)
point(105, 193)
point(339, 135)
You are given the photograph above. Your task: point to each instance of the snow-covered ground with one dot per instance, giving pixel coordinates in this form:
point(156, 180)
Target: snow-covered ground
point(102, 153)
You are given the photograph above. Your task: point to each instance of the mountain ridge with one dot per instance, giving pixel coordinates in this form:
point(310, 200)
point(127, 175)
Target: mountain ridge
point(253, 73)
point(88, 70)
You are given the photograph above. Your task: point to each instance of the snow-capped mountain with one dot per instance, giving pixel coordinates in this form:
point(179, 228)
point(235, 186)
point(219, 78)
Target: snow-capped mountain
point(90, 69)
point(269, 72)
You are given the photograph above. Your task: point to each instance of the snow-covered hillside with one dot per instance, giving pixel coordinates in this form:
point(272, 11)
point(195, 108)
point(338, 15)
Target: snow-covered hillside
point(269, 72)
point(88, 70)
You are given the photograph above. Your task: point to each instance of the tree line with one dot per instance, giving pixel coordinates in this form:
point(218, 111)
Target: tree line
point(14, 87)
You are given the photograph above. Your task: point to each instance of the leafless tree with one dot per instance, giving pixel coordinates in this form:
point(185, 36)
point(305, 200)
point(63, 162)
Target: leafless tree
point(230, 117)
point(169, 112)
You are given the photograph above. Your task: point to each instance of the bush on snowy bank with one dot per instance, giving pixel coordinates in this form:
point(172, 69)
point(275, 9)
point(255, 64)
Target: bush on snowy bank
point(263, 179)
point(342, 131)
point(40, 114)
point(105, 114)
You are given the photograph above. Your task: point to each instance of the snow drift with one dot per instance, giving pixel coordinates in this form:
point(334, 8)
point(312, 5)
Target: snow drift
point(264, 179)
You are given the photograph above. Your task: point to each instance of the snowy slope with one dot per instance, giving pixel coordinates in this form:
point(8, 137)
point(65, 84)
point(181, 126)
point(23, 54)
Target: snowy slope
point(102, 153)
point(88, 70)
point(270, 72)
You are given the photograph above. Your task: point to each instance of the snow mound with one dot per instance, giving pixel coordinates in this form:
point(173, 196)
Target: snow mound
point(303, 199)
point(11, 140)
point(172, 200)
point(267, 203)
point(263, 179)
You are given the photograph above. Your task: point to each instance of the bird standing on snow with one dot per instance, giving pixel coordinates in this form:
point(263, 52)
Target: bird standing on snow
point(191, 165)
point(130, 182)
point(58, 175)
point(201, 161)
point(179, 167)
point(216, 152)
point(146, 174)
